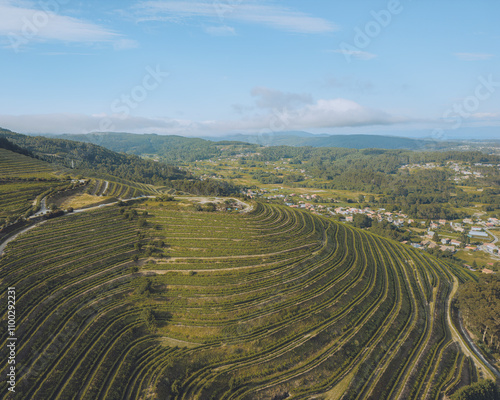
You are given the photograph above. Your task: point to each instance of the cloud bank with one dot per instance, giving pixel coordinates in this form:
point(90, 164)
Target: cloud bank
point(273, 111)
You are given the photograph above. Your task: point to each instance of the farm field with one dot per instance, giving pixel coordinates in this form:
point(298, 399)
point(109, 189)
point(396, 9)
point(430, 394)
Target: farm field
point(157, 300)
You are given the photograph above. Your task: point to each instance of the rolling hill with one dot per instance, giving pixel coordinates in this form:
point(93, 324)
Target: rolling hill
point(170, 147)
point(268, 303)
point(178, 148)
point(354, 141)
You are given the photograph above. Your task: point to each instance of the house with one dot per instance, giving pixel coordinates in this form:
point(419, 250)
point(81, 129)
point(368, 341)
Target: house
point(471, 248)
point(449, 248)
point(445, 241)
point(442, 222)
point(455, 243)
point(490, 248)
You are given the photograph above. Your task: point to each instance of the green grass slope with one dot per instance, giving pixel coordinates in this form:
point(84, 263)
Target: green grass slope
point(270, 304)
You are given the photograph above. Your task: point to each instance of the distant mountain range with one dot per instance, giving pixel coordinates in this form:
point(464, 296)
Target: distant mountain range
point(196, 147)
point(297, 138)
point(174, 148)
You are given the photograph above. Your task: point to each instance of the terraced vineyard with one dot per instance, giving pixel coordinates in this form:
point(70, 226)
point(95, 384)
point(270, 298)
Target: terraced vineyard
point(121, 190)
point(270, 304)
point(20, 166)
point(22, 180)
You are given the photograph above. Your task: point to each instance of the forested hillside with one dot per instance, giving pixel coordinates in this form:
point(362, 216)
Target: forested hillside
point(95, 159)
point(169, 147)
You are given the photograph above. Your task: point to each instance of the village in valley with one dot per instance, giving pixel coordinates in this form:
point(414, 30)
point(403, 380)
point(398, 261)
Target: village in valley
point(468, 235)
point(473, 240)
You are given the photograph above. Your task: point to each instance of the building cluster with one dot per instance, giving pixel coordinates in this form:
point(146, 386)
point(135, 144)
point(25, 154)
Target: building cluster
point(462, 171)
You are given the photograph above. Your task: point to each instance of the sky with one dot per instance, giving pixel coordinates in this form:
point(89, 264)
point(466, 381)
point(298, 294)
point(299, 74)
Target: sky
point(417, 68)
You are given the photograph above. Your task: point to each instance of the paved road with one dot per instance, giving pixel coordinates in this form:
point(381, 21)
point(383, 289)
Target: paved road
point(43, 208)
point(469, 348)
point(10, 239)
point(495, 239)
point(476, 350)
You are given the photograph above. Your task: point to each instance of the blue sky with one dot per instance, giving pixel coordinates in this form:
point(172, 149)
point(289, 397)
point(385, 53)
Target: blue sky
point(400, 67)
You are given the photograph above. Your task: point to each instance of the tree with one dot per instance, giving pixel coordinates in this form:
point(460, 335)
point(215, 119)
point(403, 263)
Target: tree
point(362, 221)
point(210, 207)
point(149, 318)
point(145, 287)
point(482, 390)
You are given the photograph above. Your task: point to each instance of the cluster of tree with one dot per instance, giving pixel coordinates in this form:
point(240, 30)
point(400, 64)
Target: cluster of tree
point(482, 390)
point(479, 303)
point(426, 193)
point(207, 187)
point(382, 228)
point(267, 178)
point(89, 157)
point(6, 144)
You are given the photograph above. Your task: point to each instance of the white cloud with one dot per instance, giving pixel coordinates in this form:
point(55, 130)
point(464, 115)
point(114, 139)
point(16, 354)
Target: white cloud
point(21, 24)
point(221, 30)
point(474, 56)
point(358, 54)
point(339, 113)
point(277, 17)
